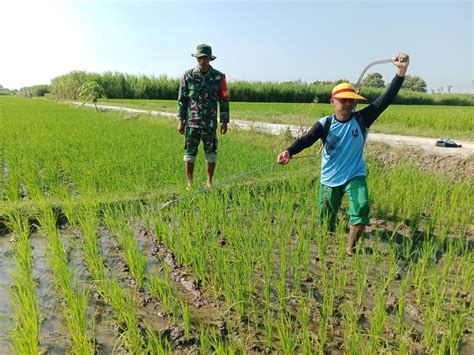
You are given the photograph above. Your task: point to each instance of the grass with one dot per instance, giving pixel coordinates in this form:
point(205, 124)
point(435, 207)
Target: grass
point(75, 299)
point(414, 120)
point(24, 333)
point(278, 279)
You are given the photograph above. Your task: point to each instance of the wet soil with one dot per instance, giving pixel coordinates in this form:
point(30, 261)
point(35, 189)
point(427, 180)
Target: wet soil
point(205, 308)
point(451, 166)
point(53, 337)
point(6, 265)
point(105, 332)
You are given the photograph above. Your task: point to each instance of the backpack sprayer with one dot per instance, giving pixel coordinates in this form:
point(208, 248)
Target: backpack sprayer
point(206, 189)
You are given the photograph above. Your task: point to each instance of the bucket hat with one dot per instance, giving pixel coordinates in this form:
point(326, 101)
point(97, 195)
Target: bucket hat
point(204, 50)
point(346, 91)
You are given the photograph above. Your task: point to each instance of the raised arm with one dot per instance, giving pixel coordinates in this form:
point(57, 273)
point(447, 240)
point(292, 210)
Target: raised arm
point(374, 110)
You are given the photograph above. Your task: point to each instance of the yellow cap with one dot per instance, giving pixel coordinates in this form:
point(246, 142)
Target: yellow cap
point(345, 91)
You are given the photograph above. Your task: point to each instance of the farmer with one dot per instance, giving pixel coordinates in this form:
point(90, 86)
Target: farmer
point(342, 166)
point(200, 90)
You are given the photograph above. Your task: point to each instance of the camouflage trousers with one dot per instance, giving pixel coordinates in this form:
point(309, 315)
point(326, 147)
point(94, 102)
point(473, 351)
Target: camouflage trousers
point(192, 138)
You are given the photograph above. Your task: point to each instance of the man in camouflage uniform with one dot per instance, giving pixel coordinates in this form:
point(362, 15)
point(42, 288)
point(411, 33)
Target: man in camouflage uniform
point(200, 90)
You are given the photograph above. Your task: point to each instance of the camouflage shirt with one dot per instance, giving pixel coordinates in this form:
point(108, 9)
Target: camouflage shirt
point(198, 97)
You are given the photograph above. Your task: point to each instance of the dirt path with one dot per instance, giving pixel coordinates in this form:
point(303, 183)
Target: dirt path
point(427, 144)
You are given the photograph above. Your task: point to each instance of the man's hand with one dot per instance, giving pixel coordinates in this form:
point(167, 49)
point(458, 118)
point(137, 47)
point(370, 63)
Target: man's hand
point(223, 128)
point(181, 127)
point(284, 157)
point(401, 61)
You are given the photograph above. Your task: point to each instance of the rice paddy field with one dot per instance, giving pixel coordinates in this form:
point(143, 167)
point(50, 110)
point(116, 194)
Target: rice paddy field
point(454, 122)
point(94, 260)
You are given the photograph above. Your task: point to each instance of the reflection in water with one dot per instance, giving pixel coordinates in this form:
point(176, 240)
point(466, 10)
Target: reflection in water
point(5, 284)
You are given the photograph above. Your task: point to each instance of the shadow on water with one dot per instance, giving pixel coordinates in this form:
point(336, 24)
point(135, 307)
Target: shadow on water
point(33, 222)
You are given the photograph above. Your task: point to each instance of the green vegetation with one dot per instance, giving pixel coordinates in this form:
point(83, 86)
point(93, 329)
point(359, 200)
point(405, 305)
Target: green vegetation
point(38, 90)
point(241, 268)
point(24, 333)
point(125, 86)
point(76, 300)
point(90, 91)
point(414, 120)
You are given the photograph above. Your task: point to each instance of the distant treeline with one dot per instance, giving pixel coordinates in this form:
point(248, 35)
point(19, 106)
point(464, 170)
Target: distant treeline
point(29, 91)
point(117, 85)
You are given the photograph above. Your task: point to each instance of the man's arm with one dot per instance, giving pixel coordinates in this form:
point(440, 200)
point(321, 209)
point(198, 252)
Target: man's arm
point(315, 133)
point(183, 102)
point(370, 113)
point(224, 101)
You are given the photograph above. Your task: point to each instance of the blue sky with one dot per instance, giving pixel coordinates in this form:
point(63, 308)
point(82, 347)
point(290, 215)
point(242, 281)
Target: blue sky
point(253, 40)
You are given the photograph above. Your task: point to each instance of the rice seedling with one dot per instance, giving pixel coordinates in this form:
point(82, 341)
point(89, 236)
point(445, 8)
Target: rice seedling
point(254, 249)
point(120, 300)
point(75, 299)
point(24, 334)
point(268, 324)
point(378, 317)
point(186, 318)
point(352, 333)
point(136, 261)
point(285, 334)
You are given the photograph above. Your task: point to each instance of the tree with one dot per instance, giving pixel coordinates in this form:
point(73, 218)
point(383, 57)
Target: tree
point(91, 91)
point(414, 83)
point(374, 80)
point(39, 90)
point(329, 83)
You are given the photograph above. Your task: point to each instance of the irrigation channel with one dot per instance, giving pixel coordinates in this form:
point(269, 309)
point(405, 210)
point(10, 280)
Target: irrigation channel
point(427, 144)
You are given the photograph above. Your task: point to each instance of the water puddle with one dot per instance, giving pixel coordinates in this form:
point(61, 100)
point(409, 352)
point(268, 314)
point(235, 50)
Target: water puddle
point(105, 335)
point(5, 284)
point(53, 338)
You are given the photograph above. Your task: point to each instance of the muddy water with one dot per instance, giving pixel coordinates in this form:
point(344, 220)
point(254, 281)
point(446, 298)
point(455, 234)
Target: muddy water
point(105, 335)
point(5, 283)
point(147, 312)
point(110, 251)
point(53, 332)
point(53, 338)
point(202, 309)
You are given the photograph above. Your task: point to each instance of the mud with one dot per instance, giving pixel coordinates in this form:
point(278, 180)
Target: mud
point(6, 265)
point(203, 308)
point(105, 334)
point(148, 309)
point(53, 337)
point(451, 166)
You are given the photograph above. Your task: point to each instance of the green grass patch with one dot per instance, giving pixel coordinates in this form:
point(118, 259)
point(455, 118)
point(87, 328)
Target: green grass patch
point(416, 120)
point(281, 282)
